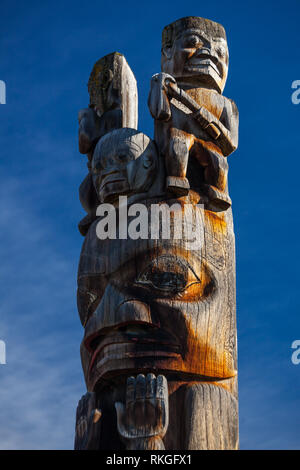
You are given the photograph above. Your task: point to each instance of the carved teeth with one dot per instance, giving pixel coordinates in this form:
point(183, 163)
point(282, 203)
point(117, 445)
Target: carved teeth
point(200, 62)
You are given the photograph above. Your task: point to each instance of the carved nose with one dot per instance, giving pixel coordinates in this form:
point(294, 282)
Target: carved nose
point(117, 309)
point(133, 311)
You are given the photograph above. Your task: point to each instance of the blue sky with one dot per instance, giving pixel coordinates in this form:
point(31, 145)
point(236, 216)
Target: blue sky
point(47, 52)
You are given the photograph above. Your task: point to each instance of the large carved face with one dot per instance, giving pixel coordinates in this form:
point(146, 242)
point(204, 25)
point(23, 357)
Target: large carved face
point(197, 55)
point(155, 305)
point(124, 160)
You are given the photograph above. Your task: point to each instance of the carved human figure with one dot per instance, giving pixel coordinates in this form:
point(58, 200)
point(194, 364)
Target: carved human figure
point(192, 118)
point(113, 101)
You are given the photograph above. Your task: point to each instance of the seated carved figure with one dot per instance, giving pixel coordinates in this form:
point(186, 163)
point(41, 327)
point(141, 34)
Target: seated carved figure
point(113, 101)
point(192, 118)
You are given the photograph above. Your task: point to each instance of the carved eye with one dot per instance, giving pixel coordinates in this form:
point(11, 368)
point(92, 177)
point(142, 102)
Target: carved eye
point(170, 276)
point(163, 280)
point(123, 158)
point(192, 41)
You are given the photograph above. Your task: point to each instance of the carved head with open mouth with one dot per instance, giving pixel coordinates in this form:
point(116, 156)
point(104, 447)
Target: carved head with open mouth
point(194, 51)
point(154, 305)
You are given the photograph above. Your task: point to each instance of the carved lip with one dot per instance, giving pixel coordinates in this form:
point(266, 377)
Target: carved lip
point(201, 61)
point(131, 340)
point(112, 178)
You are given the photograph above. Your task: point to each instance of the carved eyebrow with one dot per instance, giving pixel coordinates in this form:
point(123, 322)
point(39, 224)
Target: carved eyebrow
point(220, 40)
point(131, 143)
point(192, 32)
point(130, 154)
point(123, 149)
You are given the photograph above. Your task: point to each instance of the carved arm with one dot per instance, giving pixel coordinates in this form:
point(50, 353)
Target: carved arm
point(164, 87)
point(223, 137)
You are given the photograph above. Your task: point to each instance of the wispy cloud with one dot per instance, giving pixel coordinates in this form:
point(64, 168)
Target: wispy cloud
point(42, 380)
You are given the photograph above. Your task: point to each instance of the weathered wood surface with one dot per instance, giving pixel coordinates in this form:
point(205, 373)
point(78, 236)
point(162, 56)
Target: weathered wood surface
point(113, 105)
point(159, 349)
point(124, 162)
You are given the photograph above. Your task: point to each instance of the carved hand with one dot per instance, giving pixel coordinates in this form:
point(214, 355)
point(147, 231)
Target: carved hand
point(144, 419)
point(158, 100)
point(87, 423)
point(89, 129)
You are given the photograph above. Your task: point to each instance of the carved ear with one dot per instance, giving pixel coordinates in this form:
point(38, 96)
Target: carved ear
point(167, 52)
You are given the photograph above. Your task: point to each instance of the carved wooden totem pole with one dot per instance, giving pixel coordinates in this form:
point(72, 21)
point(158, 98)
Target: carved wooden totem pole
point(156, 292)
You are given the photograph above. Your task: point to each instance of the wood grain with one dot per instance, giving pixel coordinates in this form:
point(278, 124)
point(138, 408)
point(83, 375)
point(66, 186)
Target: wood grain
point(159, 351)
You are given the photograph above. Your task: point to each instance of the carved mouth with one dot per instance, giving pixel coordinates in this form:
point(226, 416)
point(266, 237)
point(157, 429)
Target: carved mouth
point(112, 186)
point(198, 63)
point(131, 341)
point(110, 179)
